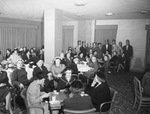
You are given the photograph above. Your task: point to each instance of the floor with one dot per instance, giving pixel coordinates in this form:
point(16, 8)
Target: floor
point(122, 82)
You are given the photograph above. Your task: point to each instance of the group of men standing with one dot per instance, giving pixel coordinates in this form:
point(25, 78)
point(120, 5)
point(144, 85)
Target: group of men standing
point(127, 50)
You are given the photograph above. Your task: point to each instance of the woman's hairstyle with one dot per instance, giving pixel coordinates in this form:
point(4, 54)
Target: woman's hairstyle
point(66, 69)
point(106, 56)
point(76, 86)
point(20, 60)
point(8, 49)
point(56, 59)
point(101, 74)
point(70, 48)
point(39, 76)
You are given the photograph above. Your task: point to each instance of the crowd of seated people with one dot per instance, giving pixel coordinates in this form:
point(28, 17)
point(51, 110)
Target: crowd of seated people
point(65, 70)
point(17, 80)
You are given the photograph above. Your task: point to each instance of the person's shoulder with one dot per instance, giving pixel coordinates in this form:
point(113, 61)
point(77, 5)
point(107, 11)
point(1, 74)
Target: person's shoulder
point(44, 67)
point(4, 72)
point(15, 70)
point(86, 96)
point(32, 86)
point(130, 46)
point(36, 68)
point(147, 74)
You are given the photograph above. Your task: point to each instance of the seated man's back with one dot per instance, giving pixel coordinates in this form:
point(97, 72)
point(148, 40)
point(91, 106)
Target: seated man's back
point(78, 102)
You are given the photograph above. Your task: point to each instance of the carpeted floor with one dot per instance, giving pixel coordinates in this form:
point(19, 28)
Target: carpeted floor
point(122, 82)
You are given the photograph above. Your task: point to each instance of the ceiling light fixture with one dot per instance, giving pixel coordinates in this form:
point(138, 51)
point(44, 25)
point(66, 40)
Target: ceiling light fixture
point(144, 12)
point(80, 15)
point(80, 3)
point(109, 14)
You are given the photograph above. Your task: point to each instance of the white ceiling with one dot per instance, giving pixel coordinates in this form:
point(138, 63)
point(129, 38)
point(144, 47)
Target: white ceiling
point(93, 10)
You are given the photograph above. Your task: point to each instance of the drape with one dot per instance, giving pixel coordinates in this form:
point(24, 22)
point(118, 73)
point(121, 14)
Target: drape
point(103, 32)
point(147, 56)
point(12, 37)
point(68, 33)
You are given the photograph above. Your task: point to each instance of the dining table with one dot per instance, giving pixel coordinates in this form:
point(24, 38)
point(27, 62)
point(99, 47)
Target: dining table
point(83, 67)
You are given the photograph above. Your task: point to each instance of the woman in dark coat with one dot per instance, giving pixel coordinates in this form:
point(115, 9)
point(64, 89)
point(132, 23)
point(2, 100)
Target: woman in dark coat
point(47, 75)
point(65, 81)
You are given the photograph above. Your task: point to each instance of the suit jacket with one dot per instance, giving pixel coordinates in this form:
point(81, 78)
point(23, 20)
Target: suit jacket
point(83, 50)
point(100, 94)
point(128, 52)
point(74, 68)
point(78, 102)
point(109, 49)
point(68, 62)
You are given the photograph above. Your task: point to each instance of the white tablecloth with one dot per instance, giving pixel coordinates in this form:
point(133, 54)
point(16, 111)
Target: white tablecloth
point(83, 67)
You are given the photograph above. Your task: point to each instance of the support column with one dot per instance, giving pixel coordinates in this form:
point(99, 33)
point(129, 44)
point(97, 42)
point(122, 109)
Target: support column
point(52, 34)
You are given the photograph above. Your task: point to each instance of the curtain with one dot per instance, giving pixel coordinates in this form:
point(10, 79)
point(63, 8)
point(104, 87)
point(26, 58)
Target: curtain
point(68, 33)
point(103, 32)
point(12, 37)
point(147, 56)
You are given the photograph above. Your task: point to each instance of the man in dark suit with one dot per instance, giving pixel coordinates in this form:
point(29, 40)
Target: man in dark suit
point(100, 91)
point(128, 52)
point(107, 47)
point(83, 49)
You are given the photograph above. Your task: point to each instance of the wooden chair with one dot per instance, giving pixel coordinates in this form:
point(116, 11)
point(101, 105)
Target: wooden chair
point(112, 95)
point(139, 99)
point(113, 67)
point(23, 95)
point(89, 111)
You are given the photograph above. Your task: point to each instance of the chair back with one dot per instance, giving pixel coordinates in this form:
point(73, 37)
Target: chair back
point(137, 94)
point(112, 92)
point(103, 105)
point(89, 111)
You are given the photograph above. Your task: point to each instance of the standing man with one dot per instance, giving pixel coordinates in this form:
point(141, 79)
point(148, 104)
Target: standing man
point(115, 47)
point(78, 46)
point(99, 51)
point(83, 48)
point(128, 52)
point(107, 47)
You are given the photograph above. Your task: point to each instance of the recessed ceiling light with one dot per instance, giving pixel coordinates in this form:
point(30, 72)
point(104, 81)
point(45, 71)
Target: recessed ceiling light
point(80, 3)
point(80, 15)
point(144, 12)
point(109, 14)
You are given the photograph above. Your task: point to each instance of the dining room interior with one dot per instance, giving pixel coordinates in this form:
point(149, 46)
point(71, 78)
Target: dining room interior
point(53, 27)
